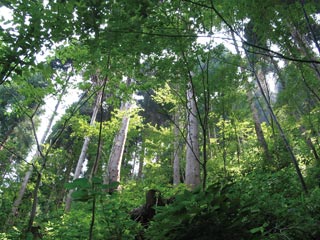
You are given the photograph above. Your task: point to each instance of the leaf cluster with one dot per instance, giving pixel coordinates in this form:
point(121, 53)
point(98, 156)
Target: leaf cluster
point(211, 214)
point(86, 189)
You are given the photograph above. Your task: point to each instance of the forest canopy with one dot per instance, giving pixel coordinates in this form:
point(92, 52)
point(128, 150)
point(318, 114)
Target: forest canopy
point(155, 119)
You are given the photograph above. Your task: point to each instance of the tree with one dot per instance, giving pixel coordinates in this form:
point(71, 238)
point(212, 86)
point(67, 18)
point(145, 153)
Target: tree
point(192, 155)
point(98, 83)
point(255, 116)
point(177, 149)
point(34, 104)
point(116, 154)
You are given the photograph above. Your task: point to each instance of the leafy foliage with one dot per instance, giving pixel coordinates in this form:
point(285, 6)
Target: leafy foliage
point(210, 214)
point(261, 206)
point(112, 214)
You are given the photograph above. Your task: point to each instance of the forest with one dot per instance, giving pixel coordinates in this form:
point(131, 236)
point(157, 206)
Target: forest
point(160, 119)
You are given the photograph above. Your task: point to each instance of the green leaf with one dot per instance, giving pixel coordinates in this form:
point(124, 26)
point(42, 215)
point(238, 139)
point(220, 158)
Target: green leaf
point(81, 195)
point(112, 185)
point(97, 180)
point(78, 183)
point(259, 229)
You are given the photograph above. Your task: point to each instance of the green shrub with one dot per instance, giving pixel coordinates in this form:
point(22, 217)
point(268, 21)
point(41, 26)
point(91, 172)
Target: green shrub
point(209, 214)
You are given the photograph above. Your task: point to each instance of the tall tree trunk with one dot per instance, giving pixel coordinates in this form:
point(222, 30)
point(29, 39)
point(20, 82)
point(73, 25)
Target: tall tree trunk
point(258, 129)
point(17, 202)
point(176, 152)
point(141, 160)
point(44, 159)
point(223, 141)
point(277, 123)
point(34, 203)
point(304, 49)
point(60, 195)
point(117, 150)
point(6, 137)
point(273, 116)
point(119, 141)
point(85, 146)
point(6, 168)
point(255, 115)
point(297, 116)
point(309, 143)
point(192, 155)
point(312, 31)
point(236, 134)
point(95, 167)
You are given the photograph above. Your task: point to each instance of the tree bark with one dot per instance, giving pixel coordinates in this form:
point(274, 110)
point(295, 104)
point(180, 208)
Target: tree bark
point(176, 157)
point(117, 150)
point(192, 154)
